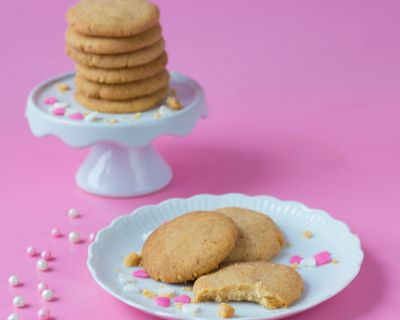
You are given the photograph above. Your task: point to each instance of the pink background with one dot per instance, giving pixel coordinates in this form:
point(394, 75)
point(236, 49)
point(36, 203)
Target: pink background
point(304, 105)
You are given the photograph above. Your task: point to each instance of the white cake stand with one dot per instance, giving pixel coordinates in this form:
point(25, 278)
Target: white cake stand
point(122, 162)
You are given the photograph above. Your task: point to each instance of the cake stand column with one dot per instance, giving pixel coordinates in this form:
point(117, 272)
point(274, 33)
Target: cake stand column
point(116, 171)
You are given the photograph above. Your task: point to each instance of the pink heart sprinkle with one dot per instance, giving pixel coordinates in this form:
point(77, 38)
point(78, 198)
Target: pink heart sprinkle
point(50, 100)
point(162, 301)
point(76, 116)
point(59, 112)
point(182, 299)
point(323, 257)
point(295, 259)
point(140, 274)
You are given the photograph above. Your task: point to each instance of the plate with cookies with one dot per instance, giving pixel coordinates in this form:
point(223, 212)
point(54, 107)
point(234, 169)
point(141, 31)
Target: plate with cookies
point(224, 256)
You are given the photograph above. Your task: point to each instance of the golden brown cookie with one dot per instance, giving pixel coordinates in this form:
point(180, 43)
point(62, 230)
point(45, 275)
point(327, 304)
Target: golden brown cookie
point(102, 45)
point(134, 105)
point(123, 91)
point(188, 246)
point(112, 76)
point(259, 237)
point(271, 285)
point(117, 61)
point(110, 18)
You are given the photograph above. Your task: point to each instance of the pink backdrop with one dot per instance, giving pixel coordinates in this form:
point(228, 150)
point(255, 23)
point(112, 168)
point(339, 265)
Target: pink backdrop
point(304, 105)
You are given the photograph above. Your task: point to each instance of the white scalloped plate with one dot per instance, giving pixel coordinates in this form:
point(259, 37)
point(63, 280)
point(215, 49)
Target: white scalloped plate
point(127, 233)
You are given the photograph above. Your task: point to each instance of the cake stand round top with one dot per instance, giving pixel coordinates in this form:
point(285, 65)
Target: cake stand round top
point(53, 110)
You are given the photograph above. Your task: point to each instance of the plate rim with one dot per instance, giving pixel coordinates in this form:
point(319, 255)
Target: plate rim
point(359, 254)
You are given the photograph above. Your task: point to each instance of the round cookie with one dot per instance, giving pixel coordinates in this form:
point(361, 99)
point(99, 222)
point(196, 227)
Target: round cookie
point(269, 284)
point(112, 76)
point(123, 91)
point(116, 61)
point(188, 246)
point(110, 18)
point(259, 237)
point(126, 106)
point(102, 45)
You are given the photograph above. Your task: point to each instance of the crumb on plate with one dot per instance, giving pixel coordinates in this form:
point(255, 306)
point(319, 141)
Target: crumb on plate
point(174, 103)
point(132, 260)
point(226, 310)
point(308, 234)
point(148, 294)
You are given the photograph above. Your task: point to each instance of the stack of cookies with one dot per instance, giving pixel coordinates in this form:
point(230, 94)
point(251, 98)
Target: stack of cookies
point(119, 53)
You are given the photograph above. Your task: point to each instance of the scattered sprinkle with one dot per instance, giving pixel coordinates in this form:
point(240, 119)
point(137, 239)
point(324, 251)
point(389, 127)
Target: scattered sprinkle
point(13, 281)
point(131, 288)
point(226, 310)
point(132, 260)
point(61, 104)
point(322, 258)
point(148, 294)
point(162, 301)
point(166, 292)
point(295, 259)
point(92, 116)
point(76, 116)
point(183, 299)
point(125, 278)
point(59, 112)
point(63, 87)
point(56, 233)
point(178, 306)
point(92, 236)
point(41, 286)
point(46, 255)
point(308, 262)
point(31, 251)
point(42, 265)
point(157, 115)
point(308, 234)
point(18, 302)
point(73, 213)
point(13, 316)
point(174, 103)
point(50, 100)
point(190, 308)
point(335, 261)
point(140, 274)
point(47, 294)
point(74, 237)
point(43, 314)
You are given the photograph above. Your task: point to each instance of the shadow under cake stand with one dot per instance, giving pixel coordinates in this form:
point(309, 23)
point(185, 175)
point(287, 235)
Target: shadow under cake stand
point(122, 162)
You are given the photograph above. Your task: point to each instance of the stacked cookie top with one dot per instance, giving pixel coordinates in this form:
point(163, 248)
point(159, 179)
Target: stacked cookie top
point(119, 53)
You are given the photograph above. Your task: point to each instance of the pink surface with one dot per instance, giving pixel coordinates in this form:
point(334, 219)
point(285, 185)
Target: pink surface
point(304, 105)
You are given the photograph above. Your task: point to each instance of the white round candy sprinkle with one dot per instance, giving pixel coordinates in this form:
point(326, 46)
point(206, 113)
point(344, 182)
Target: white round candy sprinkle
point(47, 294)
point(13, 281)
point(73, 213)
point(42, 265)
point(55, 232)
point(92, 236)
point(74, 237)
point(46, 255)
point(18, 302)
point(308, 262)
point(43, 314)
point(31, 251)
point(131, 288)
point(14, 316)
point(41, 286)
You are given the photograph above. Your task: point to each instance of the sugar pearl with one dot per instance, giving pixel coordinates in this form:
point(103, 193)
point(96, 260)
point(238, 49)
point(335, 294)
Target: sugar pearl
point(42, 265)
point(73, 213)
point(13, 281)
point(47, 294)
point(14, 316)
point(31, 251)
point(43, 314)
point(18, 302)
point(46, 255)
point(74, 237)
point(92, 236)
point(55, 232)
point(41, 286)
